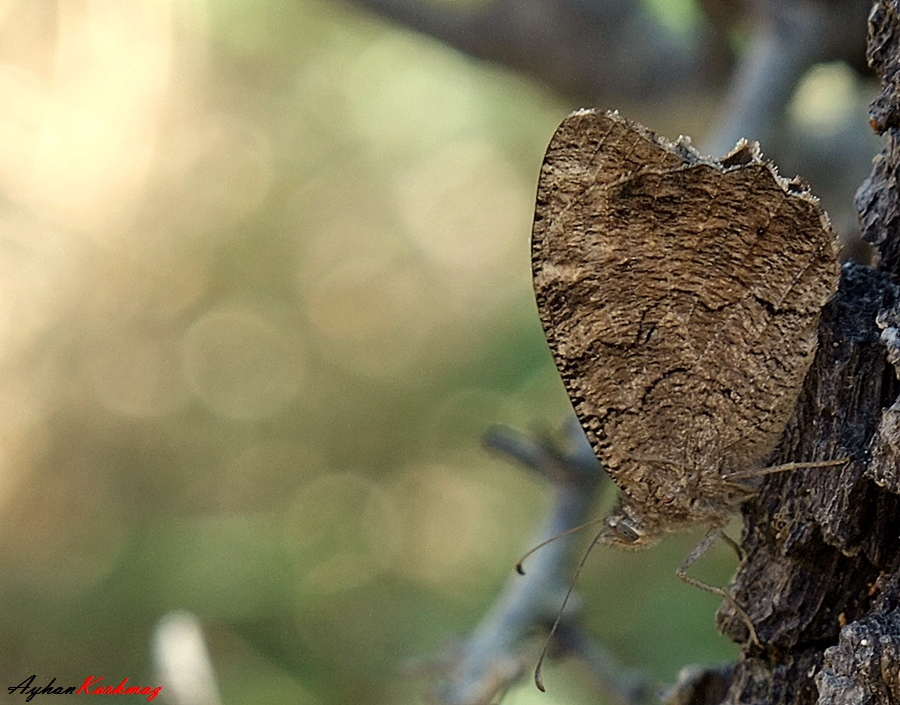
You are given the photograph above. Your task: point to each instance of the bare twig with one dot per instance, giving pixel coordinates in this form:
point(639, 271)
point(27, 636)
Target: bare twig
point(785, 41)
point(497, 652)
point(592, 50)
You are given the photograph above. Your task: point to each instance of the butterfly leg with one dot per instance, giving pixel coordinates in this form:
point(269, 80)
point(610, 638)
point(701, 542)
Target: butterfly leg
point(692, 557)
point(786, 467)
point(734, 545)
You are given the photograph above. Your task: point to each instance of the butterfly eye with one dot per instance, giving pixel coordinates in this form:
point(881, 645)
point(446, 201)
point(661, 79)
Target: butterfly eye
point(626, 532)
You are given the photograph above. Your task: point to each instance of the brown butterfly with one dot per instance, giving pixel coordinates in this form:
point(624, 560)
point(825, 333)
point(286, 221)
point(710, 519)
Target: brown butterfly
point(681, 297)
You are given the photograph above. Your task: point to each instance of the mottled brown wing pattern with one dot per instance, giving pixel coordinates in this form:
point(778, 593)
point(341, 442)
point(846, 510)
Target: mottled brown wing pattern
point(680, 299)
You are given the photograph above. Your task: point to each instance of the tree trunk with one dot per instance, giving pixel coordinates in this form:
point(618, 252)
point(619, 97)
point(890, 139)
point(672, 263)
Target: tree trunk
point(821, 580)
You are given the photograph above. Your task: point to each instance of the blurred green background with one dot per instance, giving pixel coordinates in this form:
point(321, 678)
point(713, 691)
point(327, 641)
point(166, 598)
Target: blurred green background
point(264, 282)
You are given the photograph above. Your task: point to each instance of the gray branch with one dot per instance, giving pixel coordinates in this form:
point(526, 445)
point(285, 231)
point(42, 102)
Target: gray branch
point(500, 650)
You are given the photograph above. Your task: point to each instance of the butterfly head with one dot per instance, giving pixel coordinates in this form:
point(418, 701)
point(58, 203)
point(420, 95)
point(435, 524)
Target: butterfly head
point(627, 528)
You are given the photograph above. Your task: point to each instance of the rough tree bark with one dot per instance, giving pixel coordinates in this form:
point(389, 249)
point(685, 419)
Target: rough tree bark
point(821, 581)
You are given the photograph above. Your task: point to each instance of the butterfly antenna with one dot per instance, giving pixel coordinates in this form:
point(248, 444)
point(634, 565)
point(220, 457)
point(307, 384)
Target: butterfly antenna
point(521, 571)
point(538, 677)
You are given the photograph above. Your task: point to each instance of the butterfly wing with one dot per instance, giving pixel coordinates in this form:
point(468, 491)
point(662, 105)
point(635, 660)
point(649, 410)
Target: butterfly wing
point(680, 298)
